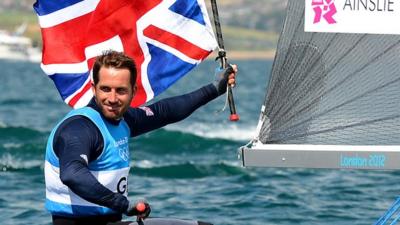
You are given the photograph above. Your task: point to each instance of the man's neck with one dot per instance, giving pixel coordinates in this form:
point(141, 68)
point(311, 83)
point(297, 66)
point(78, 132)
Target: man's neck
point(92, 104)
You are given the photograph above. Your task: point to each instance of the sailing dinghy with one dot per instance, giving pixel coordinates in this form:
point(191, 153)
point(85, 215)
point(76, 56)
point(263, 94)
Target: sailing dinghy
point(333, 97)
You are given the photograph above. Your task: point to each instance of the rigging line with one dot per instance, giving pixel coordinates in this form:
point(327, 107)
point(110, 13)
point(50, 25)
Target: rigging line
point(350, 75)
point(279, 83)
point(276, 82)
point(303, 82)
point(225, 104)
point(299, 25)
point(317, 98)
point(347, 52)
point(332, 129)
point(298, 30)
point(395, 220)
point(389, 213)
point(222, 57)
point(298, 62)
point(347, 102)
point(342, 57)
point(294, 113)
point(296, 96)
point(286, 79)
point(280, 40)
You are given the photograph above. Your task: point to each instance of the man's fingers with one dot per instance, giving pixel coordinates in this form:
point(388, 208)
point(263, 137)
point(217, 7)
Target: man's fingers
point(231, 82)
point(231, 77)
point(234, 68)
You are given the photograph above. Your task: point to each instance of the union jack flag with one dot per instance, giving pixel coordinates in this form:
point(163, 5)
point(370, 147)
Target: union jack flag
point(166, 38)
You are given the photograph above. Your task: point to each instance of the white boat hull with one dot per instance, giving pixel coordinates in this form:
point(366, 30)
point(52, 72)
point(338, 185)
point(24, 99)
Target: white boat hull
point(321, 156)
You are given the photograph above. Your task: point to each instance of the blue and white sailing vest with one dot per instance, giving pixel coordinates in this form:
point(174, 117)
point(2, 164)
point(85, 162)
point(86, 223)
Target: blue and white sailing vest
point(111, 169)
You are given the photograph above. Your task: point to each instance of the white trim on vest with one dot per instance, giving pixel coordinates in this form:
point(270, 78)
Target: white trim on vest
point(62, 194)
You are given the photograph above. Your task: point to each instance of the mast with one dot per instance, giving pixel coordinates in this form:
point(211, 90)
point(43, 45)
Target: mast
point(223, 61)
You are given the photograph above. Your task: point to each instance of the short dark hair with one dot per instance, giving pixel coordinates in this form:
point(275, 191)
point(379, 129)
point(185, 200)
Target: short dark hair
point(116, 60)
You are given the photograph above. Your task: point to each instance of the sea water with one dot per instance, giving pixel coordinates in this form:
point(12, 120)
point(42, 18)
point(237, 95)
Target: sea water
point(187, 170)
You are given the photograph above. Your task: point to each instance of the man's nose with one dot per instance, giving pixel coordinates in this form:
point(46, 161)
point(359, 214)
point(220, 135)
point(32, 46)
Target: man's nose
point(112, 97)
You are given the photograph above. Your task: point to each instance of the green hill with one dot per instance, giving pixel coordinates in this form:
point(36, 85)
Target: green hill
point(10, 20)
point(246, 39)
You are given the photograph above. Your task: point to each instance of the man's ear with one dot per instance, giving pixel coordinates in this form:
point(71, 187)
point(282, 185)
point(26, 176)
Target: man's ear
point(134, 90)
point(93, 89)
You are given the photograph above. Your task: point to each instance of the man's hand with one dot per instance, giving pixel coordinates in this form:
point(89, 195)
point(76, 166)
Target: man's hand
point(140, 208)
point(223, 77)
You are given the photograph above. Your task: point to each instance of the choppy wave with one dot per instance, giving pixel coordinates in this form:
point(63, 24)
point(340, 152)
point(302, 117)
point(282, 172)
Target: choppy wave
point(21, 142)
point(16, 101)
point(229, 194)
point(23, 149)
point(231, 132)
point(170, 136)
point(188, 170)
point(169, 141)
point(9, 162)
point(14, 137)
point(182, 170)
point(22, 134)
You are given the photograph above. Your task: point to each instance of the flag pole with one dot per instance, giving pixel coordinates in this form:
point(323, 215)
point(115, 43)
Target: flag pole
point(222, 57)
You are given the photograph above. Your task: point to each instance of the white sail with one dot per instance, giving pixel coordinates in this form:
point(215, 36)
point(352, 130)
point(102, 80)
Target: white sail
point(331, 98)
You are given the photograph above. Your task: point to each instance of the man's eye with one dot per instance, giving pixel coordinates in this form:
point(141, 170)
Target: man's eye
point(105, 89)
point(122, 91)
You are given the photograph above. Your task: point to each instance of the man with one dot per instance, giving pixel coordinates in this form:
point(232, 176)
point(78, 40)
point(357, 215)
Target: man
point(87, 155)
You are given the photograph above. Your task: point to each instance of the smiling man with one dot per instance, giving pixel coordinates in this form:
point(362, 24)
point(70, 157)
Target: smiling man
point(114, 86)
point(87, 154)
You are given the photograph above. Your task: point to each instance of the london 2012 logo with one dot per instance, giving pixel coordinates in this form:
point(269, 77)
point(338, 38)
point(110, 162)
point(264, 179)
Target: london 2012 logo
point(324, 9)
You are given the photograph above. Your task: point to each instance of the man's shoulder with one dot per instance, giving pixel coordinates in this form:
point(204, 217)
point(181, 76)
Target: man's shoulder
point(80, 133)
point(76, 123)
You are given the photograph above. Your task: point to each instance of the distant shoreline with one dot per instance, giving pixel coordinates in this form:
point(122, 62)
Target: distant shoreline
point(246, 55)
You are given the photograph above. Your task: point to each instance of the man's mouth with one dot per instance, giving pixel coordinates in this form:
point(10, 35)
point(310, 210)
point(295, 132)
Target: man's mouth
point(112, 108)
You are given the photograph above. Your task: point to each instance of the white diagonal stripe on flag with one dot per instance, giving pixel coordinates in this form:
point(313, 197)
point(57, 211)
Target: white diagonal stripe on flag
point(144, 77)
point(114, 43)
point(51, 69)
point(185, 28)
point(79, 90)
point(68, 13)
point(85, 99)
point(182, 26)
point(172, 50)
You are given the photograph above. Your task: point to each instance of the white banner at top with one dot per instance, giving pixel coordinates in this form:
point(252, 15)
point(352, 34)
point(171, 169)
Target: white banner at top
point(353, 16)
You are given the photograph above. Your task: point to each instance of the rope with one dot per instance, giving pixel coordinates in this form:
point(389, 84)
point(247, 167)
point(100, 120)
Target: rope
point(389, 213)
point(222, 58)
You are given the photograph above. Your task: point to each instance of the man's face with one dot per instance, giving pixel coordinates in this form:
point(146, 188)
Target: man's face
point(113, 92)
